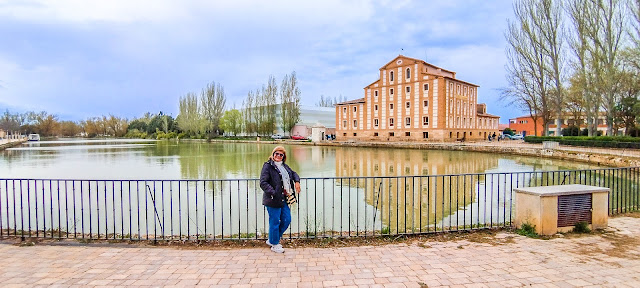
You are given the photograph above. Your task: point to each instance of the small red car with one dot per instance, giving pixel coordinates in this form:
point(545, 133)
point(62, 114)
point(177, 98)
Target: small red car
point(297, 137)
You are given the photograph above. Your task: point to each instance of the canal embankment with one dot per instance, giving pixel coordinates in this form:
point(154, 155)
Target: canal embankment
point(612, 157)
point(8, 143)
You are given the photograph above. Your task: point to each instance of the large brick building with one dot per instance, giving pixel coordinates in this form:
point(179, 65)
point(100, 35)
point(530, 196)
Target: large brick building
point(415, 101)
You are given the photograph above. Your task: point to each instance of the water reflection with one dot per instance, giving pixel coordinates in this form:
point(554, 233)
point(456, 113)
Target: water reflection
point(387, 202)
point(426, 202)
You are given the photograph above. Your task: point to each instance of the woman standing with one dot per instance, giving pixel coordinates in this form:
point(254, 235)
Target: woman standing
point(277, 180)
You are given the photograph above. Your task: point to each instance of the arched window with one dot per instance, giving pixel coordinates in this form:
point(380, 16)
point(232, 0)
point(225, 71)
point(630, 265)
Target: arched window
point(408, 73)
point(391, 76)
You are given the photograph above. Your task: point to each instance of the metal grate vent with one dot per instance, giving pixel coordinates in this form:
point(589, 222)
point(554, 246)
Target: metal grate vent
point(573, 209)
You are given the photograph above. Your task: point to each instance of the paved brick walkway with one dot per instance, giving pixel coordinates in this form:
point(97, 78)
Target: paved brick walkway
point(608, 260)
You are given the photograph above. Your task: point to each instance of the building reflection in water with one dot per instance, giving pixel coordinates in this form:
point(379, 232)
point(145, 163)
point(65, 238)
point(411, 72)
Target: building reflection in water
point(420, 202)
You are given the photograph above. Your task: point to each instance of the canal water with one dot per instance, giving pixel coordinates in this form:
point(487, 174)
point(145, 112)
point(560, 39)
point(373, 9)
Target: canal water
point(143, 159)
point(139, 188)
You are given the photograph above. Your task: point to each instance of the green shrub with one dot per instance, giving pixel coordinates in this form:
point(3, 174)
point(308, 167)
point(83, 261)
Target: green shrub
point(581, 227)
point(571, 131)
point(527, 230)
point(597, 141)
point(136, 134)
point(508, 131)
point(161, 135)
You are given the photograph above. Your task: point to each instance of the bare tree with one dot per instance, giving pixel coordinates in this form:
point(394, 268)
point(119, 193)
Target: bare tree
point(607, 39)
point(213, 102)
point(9, 122)
point(326, 102)
point(584, 62)
point(534, 51)
point(551, 23)
point(190, 120)
point(248, 112)
point(270, 95)
point(290, 102)
point(260, 113)
point(575, 100)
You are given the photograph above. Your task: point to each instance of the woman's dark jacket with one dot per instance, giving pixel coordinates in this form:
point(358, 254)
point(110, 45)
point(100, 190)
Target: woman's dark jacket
point(271, 184)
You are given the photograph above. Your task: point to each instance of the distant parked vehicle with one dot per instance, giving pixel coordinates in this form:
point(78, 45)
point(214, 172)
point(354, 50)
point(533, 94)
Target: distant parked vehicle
point(517, 137)
point(297, 137)
point(34, 137)
point(277, 136)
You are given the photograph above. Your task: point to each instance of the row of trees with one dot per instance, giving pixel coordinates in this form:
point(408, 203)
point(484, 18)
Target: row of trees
point(200, 115)
point(206, 114)
point(576, 57)
point(328, 102)
point(48, 125)
point(259, 109)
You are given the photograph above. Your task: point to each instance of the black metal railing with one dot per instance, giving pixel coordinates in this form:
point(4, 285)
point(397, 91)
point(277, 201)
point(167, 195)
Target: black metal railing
point(327, 207)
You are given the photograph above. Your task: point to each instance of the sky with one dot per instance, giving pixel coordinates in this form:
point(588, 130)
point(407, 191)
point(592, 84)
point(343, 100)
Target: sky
point(85, 58)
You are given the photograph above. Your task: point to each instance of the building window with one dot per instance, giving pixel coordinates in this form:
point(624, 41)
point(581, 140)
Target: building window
point(426, 87)
point(375, 134)
point(355, 109)
point(425, 103)
point(391, 91)
point(375, 122)
point(391, 106)
point(425, 120)
point(355, 123)
point(344, 110)
point(344, 134)
point(407, 133)
point(344, 123)
point(390, 121)
point(425, 135)
point(355, 134)
point(391, 134)
point(407, 121)
point(375, 93)
point(407, 104)
point(391, 77)
point(408, 73)
point(375, 107)
point(408, 88)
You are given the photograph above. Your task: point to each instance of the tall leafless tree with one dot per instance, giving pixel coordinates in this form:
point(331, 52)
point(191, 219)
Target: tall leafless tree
point(584, 63)
point(213, 101)
point(534, 52)
point(290, 102)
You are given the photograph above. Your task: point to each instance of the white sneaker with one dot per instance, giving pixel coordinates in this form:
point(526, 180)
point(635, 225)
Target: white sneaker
point(269, 243)
point(277, 248)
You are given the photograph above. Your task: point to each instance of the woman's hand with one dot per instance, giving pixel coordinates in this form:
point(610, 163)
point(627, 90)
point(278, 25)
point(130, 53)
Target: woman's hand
point(297, 187)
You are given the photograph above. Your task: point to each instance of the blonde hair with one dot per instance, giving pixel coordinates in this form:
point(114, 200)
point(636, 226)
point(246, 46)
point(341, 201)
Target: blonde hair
point(281, 150)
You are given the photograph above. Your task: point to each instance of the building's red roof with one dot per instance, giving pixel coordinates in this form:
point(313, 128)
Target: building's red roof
point(361, 100)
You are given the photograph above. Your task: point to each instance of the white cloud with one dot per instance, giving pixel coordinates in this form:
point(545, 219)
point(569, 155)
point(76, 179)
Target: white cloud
point(90, 11)
point(149, 53)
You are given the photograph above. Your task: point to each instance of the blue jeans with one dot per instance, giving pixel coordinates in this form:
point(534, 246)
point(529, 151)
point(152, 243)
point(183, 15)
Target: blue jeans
point(279, 220)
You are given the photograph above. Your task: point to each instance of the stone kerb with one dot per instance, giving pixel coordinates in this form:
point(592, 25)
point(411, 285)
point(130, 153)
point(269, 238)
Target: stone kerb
point(550, 145)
